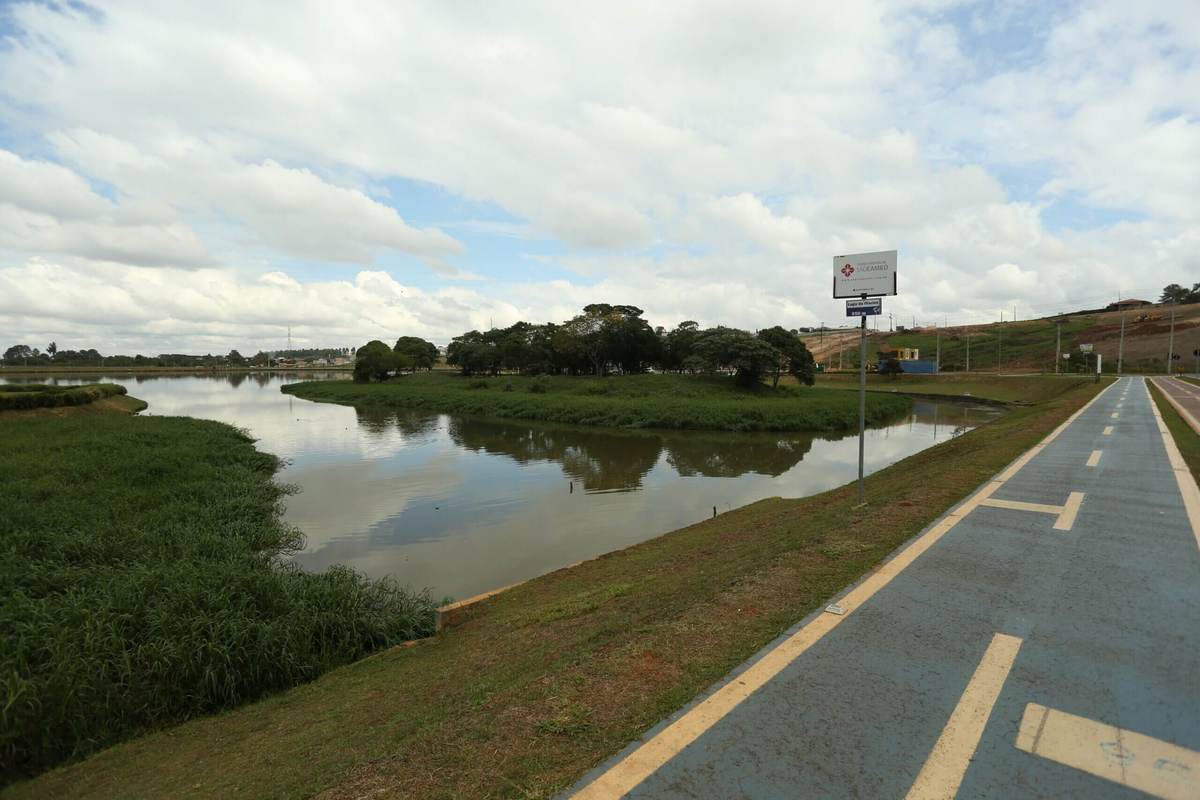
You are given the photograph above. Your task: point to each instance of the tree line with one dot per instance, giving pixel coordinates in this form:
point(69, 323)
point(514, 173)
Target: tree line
point(22, 355)
point(603, 340)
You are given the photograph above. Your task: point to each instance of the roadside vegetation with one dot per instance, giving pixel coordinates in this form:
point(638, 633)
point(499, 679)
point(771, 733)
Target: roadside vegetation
point(1185, 438)
point(142, 584)
point(627, 401)
point(548, 679)
point(1004, 389)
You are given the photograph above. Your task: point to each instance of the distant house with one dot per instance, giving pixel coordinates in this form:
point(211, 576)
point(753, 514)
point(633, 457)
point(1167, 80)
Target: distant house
point(908, 354)
point(1125, 305)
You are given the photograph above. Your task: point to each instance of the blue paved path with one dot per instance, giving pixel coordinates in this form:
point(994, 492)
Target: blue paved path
point(1041, 640)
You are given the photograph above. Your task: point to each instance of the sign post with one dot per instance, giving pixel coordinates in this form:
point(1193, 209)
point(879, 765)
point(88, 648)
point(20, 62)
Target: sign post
point(863, 278)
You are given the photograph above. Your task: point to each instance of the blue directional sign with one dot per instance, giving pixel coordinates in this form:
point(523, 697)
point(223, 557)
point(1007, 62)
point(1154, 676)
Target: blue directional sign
point(864, 307)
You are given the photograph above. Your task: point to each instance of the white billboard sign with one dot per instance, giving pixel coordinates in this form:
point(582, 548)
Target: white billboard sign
point(864, 274)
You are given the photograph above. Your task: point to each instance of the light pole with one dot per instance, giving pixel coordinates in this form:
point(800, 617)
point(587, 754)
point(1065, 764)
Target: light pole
point(1121, 346)
point(1057, 344)
point(999, 342)
point(1171, 339)
point(968, 369)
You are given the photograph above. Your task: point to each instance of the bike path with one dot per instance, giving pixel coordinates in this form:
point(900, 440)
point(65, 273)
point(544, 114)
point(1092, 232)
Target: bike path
point(1042, 639)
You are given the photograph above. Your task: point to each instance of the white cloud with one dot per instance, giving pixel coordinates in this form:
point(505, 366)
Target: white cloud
point(46, 208)
point(699, 161)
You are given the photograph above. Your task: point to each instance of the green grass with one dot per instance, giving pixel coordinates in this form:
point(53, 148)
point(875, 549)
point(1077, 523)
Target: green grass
point(1186, 439)
point(632, 401)
point(21, 397)
point(550, 678)
point(1000, 389)
point(141, 584)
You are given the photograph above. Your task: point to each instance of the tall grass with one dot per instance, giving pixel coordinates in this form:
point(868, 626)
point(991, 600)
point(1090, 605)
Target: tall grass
point(19, 397)
point(141, 583)
point(633, 401)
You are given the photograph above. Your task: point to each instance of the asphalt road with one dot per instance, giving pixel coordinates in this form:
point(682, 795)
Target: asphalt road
point(1040, 640)
point(1184, 396)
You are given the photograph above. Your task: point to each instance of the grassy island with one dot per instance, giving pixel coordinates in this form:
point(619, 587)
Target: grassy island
point(628, 401)
point(142, 583)
point(42, 397)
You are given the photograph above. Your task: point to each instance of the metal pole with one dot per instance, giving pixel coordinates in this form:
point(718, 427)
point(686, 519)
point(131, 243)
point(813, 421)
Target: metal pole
point(1171, 339)
point(937, 364)
point(968, 369)
point(1057, 345)
point(862, 403)
point(1121, 346)
point(999, 342)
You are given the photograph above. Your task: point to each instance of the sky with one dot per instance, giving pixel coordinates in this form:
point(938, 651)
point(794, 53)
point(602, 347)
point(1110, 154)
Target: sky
point(199, 177)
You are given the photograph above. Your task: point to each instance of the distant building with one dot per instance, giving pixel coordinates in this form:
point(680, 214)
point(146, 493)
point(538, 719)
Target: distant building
point(1125, 305)
point(908, 354)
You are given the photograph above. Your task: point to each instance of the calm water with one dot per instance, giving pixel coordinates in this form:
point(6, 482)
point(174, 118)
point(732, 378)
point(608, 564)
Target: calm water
point(462, 505)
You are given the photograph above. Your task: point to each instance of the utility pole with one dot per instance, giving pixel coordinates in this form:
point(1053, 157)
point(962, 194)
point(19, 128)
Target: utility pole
point(1121, 346)
point(999, 342)
point(937, 363)
point(1171, 339)
point(1057, 344)
point(968, 369)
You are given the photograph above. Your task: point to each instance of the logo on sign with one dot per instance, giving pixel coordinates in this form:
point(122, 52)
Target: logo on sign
point(847, 270)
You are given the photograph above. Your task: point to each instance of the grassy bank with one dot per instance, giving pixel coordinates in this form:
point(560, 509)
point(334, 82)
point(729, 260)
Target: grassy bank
point(140, 584)
point(997, 388)
point(27, 396)
point(1185, 438)
point(553, 676)
point(630, 401)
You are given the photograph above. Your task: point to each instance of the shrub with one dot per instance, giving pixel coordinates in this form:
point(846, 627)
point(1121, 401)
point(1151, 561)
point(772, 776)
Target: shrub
point(539, 385)
point(148, 585)
point(478, 383)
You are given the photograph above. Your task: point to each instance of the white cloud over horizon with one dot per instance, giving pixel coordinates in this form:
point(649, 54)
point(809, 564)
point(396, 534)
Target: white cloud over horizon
point(200, 177)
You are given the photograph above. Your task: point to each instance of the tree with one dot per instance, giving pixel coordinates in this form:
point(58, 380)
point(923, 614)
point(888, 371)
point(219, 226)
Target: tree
point(18, 354)
point(474, 353)
point(235, 358)
point(52, 349)
point(794, 357)
point(419, 353)
point(1174, 293)
point(678, 345)
point(374, 360)
point(729, 348)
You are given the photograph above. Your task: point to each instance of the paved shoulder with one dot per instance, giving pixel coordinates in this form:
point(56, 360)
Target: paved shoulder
point(1184, 396)
point(1041, 639)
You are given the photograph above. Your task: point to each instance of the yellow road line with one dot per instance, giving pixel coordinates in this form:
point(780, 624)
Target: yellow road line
point(1183, 475)
point(1018, 505)
point(1066, 513)
point(638, 765)
point(1066, 520)
point(1094, 458)
point(1108, 430)
point(943, 771)
point(1141, 762)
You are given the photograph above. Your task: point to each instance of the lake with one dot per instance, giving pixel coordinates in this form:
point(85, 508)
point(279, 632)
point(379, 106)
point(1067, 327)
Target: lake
point(462, 505)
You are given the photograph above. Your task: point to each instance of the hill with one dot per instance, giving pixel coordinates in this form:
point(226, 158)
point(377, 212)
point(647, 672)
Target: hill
point(1028, 345)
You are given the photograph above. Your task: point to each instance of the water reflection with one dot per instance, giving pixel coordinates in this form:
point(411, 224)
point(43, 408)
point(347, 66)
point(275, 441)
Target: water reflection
point(462, 505)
